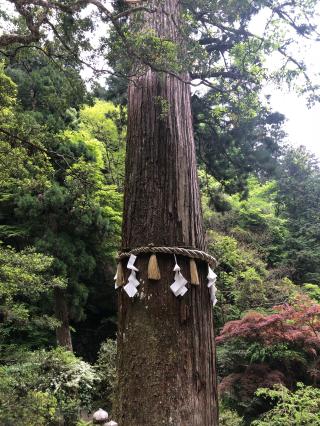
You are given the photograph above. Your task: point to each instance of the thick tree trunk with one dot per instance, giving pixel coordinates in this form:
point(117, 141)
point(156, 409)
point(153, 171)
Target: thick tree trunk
point(166, 344)
point(63, 334)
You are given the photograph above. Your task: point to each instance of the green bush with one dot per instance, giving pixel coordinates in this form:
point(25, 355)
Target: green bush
point(298, 408)
point(229, 417)
point(31, 408)
point(45, 388)
point(107, 373)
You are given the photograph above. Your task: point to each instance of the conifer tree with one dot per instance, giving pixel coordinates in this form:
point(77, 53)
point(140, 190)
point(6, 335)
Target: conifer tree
point(166, 344)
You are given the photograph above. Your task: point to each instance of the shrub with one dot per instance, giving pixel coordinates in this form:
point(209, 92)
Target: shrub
point(301, 407)
point(107, 373)
point(228, 417)
point(45, 387)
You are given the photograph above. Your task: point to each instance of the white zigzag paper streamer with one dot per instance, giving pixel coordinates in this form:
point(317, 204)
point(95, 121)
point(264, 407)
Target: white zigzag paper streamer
point(179, 286)
point(115, 281)
point(212, 278)
point(131, 287)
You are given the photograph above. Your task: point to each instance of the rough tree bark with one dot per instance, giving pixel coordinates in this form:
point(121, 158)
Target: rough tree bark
point(166, 352)
point(63, 334)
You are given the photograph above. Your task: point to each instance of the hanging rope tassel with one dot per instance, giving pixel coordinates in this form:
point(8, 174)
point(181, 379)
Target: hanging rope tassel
point(119, 275)
point(153, 268)
point(194, 276)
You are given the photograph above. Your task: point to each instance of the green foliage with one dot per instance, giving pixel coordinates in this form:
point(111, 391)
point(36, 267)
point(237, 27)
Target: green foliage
point(240, 274)
point(8, 91)
point(258, 214)
point(243, 279)
point(228, 417)
point(36, 408)
point(106, 371)
point(45, 387)
point(263, 350)
point(157, 51)
point(102, 128)
point(61, 183)
point(61, 193)
point(236, 136)
point(253, 221)
point(298, 198)
point(292, 408)
point(48, 90)
point(26, 285)
point(279, 352)
point(247, 236)
point(250, 238)
point(82, 422)
point(313, 291)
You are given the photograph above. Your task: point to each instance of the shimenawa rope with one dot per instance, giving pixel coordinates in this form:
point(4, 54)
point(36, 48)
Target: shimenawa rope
point(191, 253)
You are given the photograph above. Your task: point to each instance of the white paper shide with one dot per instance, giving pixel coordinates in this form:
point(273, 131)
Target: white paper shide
point(179, 286)
point(131, 287)
point(115, 281)
point(212, 278)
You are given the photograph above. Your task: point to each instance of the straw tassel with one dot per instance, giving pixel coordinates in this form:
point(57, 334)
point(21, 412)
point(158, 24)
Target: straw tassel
point(153, 268)
point(194, 277)
point(120, 275)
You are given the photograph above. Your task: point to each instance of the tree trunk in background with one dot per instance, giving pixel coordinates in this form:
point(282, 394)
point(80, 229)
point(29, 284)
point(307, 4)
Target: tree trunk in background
point(166, 352)
point(63, 334)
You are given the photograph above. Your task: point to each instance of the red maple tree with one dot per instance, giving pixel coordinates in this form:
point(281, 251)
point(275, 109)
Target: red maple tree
point(294, 327)
point(297, 324)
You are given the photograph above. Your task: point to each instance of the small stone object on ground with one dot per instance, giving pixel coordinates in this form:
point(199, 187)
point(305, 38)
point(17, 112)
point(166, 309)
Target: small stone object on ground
point(112, 423)
point(100, 416)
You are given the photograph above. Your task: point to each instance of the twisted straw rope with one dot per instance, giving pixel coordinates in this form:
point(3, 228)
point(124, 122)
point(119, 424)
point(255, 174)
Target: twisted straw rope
point(193, 254)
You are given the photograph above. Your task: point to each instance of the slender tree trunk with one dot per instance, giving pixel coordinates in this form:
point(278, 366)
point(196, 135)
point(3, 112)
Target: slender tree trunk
point(63, 334)
point(166, 352)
